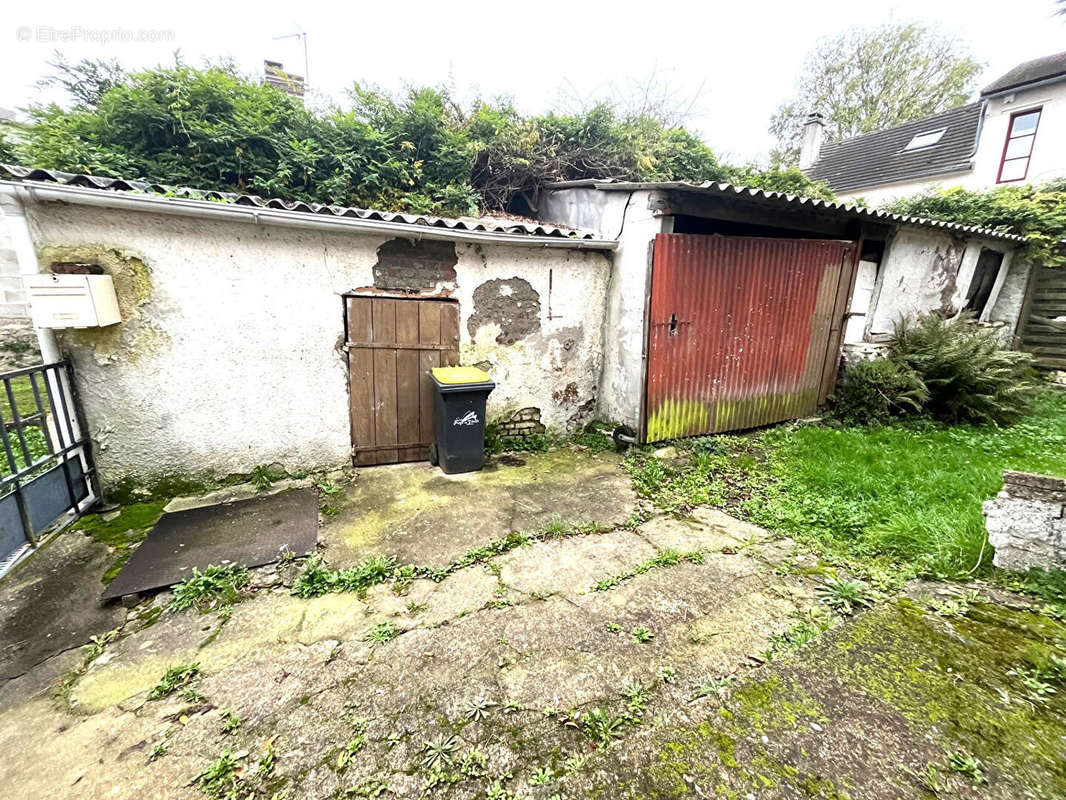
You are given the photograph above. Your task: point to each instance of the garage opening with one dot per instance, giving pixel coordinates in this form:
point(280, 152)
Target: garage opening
point(743, 331)
point(393, 343)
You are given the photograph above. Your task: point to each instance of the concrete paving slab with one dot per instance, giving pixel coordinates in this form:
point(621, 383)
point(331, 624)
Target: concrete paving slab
point(419, 515)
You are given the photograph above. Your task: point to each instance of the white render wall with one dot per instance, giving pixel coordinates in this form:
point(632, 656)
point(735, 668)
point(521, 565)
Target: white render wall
point(925, 271)
point(230, 353)
point(627, 216)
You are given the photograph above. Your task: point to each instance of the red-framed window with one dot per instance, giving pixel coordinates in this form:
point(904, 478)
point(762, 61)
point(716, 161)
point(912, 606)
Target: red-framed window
point(1018, 149)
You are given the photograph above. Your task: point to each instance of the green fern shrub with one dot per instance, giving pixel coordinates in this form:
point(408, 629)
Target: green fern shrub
point(968, 376)
point(876, 391)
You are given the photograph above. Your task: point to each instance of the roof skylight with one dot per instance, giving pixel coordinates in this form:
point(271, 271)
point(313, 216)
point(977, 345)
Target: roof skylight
point(927, 139)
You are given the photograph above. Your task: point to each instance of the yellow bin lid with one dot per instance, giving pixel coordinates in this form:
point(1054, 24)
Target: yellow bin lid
point(460, 375)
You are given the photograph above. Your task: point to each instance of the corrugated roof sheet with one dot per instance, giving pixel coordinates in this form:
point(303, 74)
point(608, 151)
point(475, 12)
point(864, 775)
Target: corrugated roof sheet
point(879, 158)
point(846, 210)
point(503, 225)
point(1038, 69)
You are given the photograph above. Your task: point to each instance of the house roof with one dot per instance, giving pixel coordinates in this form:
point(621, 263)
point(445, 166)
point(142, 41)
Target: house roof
point(780, 199)
point(879, 158)
point(503, 226)
point(1039, 69)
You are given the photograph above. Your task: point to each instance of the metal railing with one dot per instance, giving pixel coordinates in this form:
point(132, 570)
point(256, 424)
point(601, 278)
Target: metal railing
point(46, 469)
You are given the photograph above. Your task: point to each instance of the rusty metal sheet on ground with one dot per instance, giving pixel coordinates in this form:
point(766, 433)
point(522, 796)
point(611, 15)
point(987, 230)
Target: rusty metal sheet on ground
point(249, 532)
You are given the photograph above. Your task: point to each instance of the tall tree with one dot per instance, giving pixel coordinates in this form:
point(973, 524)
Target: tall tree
point(867, 79)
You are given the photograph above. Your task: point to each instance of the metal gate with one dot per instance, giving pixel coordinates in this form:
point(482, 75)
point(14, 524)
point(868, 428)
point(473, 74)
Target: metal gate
point(46, 471)
point(742, 331)
point(392, 345)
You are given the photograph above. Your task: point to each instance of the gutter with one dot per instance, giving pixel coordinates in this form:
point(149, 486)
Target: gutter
point(254, 215)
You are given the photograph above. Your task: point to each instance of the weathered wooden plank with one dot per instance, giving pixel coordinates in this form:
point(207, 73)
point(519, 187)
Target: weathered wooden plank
point(406, 322)
point(429, 322)
point(428, 359)
point(385, 401)
point(360, 324)
point(361, 399)
point(408, 397)
point(384, 311)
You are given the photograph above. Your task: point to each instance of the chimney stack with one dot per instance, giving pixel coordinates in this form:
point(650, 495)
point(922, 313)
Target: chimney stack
point(813, 131)
point(277, 77)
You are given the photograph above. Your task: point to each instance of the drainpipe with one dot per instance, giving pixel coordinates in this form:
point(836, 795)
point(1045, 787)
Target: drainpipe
point(13, 202)
point(14, 209)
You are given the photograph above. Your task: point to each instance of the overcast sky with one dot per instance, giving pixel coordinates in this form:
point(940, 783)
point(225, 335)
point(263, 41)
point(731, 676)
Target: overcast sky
point(744, 55)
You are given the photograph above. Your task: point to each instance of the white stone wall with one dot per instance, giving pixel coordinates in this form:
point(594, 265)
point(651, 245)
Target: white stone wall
point(1026, 522)
point(230, 353)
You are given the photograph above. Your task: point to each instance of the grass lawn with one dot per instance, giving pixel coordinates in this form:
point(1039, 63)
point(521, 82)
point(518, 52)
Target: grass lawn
point(892, 502)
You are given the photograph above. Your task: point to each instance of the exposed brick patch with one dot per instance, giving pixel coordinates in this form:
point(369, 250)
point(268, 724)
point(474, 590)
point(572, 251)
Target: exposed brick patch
point(408, 266)
point(524, 422)
point(511, 303)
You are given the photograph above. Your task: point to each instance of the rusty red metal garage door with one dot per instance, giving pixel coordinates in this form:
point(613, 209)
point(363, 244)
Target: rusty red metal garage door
point(743, 331)
point(392, 346)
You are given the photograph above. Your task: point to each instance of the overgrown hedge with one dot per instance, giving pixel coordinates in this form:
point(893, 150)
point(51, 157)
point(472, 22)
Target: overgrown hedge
point(421, 151)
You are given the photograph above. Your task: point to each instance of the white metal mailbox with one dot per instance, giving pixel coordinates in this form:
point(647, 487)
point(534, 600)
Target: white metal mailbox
point(72, 301)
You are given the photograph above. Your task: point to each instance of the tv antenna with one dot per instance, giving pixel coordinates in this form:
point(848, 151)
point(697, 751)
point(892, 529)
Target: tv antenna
point(301, 35)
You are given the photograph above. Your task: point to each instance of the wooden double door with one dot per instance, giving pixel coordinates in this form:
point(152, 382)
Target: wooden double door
point(392, 345)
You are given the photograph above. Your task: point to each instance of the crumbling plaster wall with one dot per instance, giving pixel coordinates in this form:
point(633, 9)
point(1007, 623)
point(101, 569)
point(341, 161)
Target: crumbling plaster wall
point(231, 355)
point(928, 271)
point(533, 319)
point(629, 217)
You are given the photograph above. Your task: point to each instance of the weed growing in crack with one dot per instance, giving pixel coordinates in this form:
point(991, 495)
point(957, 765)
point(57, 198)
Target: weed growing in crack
point(497, 791)
point(541, 776)
point(715, 687)
point(844, 596)
point(181, 676)
point(601, 727)
point(371, 787)
point(636, 699)
point(317, 579)
point(231, 723)
point(667, 558)
point(416, 608)
point(478, 708)
point(473, 764)
point(157, 752)
point(614, 627)
point(798, 635)
point(437, 753)
point(667, 674)
point(641, 634)
point(328, 495)
point(575, 763)
point(966, 765)
point(1037, 688)
point(217, 587)
point(263, 477)
point(221, 778)
point(354, 745)
point(382, 633)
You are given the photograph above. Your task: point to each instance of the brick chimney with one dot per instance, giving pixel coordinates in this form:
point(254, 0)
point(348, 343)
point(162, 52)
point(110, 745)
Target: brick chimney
point(276, 76)
point(813, 132)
